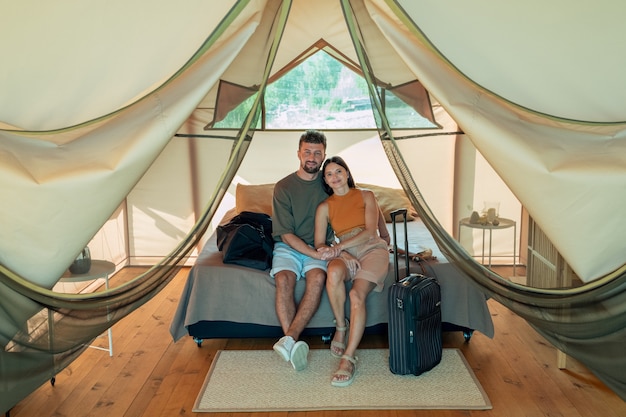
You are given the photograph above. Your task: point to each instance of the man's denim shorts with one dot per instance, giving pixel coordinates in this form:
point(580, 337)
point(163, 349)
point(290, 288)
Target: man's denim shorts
point(286, 258)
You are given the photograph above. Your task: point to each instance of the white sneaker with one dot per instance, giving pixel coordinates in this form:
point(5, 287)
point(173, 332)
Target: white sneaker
point(284, 346)
point(299, 355)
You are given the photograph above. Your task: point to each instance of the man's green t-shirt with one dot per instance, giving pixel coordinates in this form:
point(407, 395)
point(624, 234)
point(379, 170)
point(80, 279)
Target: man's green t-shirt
point(294, 204)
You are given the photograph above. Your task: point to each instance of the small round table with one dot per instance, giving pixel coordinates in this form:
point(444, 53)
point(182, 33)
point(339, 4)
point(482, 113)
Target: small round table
point(99, 269)
point(503, 224)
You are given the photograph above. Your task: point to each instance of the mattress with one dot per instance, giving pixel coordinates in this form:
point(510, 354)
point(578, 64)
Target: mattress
point(241, 300)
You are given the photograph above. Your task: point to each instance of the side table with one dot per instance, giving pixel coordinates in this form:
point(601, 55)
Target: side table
point(503, 224)
point(99, 269)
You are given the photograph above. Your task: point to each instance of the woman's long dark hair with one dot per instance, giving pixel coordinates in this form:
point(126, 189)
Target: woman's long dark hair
point(339, 161)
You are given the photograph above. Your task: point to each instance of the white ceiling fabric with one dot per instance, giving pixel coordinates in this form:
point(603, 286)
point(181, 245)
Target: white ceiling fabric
point(561, 58)
point(68, 62)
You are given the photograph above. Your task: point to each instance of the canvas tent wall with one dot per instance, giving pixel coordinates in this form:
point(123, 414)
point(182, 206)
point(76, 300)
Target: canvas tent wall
point(84, 117)
point(166, 202)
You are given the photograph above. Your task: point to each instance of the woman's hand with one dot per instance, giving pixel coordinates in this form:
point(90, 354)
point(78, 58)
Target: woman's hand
point(351, 262)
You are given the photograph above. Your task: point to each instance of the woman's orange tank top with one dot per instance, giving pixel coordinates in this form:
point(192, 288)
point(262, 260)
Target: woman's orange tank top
point(346, 212)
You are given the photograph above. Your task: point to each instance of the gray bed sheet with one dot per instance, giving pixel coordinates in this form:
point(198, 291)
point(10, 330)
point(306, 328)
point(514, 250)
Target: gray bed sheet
point(215, 291)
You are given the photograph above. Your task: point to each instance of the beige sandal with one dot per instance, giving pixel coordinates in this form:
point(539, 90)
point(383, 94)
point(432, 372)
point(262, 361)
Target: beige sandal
point(340, 347)
point(342, 372)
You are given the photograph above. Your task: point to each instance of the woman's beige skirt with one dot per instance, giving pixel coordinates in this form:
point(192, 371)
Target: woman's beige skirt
point(373, 256)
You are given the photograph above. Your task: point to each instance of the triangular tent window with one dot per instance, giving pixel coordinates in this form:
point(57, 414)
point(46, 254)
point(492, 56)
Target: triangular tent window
point(324, 93)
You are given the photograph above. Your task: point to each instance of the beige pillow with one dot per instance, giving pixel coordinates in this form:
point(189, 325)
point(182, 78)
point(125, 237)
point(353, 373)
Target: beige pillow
point(258, 199)
point(390, 199)
point(255, 198)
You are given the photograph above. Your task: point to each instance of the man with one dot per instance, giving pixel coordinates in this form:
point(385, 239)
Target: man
point(296, 198)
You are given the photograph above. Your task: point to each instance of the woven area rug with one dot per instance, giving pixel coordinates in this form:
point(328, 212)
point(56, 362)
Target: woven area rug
point(258, 380)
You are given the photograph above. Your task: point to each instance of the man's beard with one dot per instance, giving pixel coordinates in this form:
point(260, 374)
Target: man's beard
point(311, 170)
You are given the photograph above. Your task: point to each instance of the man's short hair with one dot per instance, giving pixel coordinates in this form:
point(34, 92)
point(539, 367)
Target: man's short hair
point(312, 136)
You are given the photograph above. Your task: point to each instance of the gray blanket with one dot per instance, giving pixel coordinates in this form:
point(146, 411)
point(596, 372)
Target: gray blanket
point(218, 292)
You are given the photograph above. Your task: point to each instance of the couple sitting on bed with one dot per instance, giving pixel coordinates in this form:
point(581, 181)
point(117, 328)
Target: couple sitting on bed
point(309, 211)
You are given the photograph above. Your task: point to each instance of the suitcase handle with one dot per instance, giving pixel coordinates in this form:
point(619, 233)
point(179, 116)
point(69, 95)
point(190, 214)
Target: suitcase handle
point(393, 215)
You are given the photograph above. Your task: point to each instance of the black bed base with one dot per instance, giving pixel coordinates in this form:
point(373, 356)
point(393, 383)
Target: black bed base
point(231, 330)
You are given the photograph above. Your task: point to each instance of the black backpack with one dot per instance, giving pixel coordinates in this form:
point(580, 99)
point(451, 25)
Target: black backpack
point(247, 240)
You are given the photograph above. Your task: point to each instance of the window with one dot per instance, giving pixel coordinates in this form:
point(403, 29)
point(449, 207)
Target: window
point(323, 93)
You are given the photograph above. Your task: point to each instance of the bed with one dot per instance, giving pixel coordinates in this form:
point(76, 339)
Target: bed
point(230, 301)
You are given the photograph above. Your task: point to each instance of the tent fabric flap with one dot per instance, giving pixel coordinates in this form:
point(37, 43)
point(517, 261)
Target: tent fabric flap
point(64, 184)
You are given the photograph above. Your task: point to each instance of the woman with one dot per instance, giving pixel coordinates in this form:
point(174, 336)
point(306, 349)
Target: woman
point(360, 256)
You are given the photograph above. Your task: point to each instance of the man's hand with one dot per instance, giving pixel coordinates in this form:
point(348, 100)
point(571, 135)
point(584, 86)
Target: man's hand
point(324, 253)
point(328, 252)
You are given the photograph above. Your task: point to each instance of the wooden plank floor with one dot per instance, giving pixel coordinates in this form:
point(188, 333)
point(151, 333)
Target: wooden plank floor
point(150, 376)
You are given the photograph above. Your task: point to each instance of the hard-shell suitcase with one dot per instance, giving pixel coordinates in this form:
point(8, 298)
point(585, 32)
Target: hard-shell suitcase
point(415, 344)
